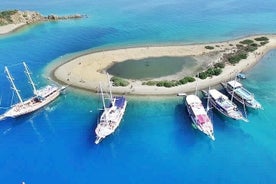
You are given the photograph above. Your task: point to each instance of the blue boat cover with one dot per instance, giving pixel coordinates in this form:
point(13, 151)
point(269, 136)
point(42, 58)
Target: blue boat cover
point(120, 101)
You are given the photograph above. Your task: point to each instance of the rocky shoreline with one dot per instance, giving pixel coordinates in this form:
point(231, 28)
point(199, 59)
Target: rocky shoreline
point(13, 19)
point(56, 17)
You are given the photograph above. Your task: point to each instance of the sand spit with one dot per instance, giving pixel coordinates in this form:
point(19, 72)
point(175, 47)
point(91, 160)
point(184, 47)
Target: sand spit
point(88, 70)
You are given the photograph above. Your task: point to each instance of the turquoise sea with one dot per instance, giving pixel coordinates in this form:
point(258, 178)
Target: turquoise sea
point(155, 142)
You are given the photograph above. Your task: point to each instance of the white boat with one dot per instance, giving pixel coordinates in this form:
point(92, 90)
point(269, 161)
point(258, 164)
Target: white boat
point(199, 116)
point(223, 104)
point(112, 115)
point(241, 76)
point(42, 97)
point(237, 91)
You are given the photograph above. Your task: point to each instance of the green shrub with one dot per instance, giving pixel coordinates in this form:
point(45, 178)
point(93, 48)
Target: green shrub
point(183, 81)
point(217, 71)
point(239, 46)
point(186, 80)
point(242, 55)
point(263, 43)
point(253, 45)
point(160, 83)
point(202, 75)
point(150, 83)
point(233, 59)
point(209, 47)
point(247, 42)
point(167, 84)
point(263, 38)
point(250, 49)
point(209, 72)
point(190, 79)
point(177, 83)
point(117, 81)
point(6, 15)
point(236, 58)
point(220, 65)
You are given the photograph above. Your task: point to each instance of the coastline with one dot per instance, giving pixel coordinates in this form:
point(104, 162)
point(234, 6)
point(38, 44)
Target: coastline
point(15, 19)
point(86, 71)
point(10, 28)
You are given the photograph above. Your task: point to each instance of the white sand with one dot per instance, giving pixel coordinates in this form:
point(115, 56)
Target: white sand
point(10, 27)
point(88, 70)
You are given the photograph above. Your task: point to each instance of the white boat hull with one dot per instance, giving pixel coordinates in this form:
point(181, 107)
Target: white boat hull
point(109, 123)
point(196, 111)
point(30, 105)
point(252, 103)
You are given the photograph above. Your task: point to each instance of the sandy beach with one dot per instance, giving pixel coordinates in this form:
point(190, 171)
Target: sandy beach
point(10, 27)
point(88, 70)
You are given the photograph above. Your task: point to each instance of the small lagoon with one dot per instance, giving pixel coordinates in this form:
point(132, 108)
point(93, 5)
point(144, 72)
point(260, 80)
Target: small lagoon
point(150, 68)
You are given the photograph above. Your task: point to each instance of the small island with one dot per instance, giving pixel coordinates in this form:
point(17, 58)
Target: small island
point(226, 60)
point(11, 20)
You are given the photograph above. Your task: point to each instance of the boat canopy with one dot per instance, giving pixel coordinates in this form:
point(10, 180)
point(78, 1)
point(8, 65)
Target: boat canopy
point(234, 84)
point(120, 101)
point(191, 99)
point(216, 94)
point(203, 118)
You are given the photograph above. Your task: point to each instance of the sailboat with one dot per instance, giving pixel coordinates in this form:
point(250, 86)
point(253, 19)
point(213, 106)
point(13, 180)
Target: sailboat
point(112, 114)
point(40, 98)
point(199, 116)
point(223, 104)
point(237, 91)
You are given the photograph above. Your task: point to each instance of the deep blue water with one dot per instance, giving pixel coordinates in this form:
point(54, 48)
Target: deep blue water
point(155, 141)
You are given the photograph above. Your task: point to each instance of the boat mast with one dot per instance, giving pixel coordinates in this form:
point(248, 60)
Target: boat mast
point(196, 86)
point(244, 108)
point(109, 85)
point(208, 100)
point(102, 95)
point(28, 73)
point(232, 95)
point(13, 85)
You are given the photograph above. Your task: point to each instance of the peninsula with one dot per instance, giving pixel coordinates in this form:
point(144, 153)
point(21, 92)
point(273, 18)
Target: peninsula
point(11, 20)
point(86, 71)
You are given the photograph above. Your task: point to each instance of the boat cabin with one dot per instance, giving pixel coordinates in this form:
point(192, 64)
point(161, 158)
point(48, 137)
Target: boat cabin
point(233, 85)
point(215, 94)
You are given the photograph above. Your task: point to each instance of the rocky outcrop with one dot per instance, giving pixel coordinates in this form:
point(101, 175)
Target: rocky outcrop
point(29, 17)
point(55, 17)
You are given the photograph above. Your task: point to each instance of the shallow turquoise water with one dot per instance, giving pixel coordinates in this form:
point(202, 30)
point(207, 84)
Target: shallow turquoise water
point(155, 142)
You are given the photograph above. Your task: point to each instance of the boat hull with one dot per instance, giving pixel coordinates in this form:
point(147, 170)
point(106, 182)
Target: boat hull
point(240, 99)
point(109, 123)
point(235, 114)
point(207, 127)
point(30, 106)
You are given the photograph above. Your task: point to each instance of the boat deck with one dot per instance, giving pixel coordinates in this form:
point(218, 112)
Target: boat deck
point(225, 103)
point(243, 93)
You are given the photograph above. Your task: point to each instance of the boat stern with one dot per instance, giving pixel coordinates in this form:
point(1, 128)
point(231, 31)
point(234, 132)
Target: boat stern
point(212, 136)
point(254, 104)
point(2, 117)
point(98, 140)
